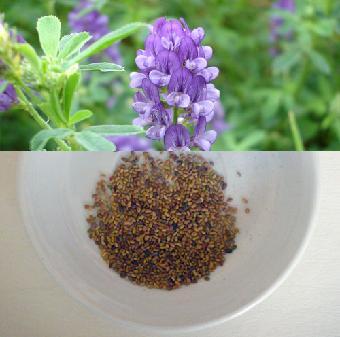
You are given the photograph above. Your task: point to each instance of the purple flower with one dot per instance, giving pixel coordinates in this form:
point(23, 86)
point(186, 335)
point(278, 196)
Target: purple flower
point(130, 143)
point(173, 82)
point(277, 21)
point(84, 18)
point(288, 5)
point(177, 137)
point(202, 138)
point(218, 123)
point(8, 97)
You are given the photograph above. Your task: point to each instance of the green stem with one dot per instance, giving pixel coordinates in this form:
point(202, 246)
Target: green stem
point(50, 4)
point(302, 77)
point(295, 132)
point(175, 116)
point(74, 145)
point(57, 108)
point(328, 7)
point(35, 115)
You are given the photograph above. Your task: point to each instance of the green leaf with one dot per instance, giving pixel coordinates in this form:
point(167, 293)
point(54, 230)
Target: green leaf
point(69, 90)
point(286, 61)
point(104, 67)
point(252, 140)
point(30, 54)
point(93, 142)
point(107, 40)
point(3, 86)
point(49, 28)
point(71, 44)
point(324, 27)
point(116, 130)
point(319, 62)
point(64, 40)
point(39, 141)
point(334, 113)
point(80, 116)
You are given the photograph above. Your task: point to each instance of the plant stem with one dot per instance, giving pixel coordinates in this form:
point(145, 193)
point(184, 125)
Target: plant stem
point(50, 4)
point(35, 115)
point(295, 132)
point(175, 116)
point(57, 108)
point(301, 79)
point(74, 145)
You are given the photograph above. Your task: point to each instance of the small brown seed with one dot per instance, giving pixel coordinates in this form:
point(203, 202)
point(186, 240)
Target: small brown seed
point(162, 223)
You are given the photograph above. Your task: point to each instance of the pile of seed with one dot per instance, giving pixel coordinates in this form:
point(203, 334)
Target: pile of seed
point(163, 223)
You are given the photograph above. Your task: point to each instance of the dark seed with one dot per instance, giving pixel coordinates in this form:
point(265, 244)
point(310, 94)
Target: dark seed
point(146, 253)
point(230, 249)
point(184, 207)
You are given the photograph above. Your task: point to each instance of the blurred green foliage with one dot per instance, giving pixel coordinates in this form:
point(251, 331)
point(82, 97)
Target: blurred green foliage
point(257, 90)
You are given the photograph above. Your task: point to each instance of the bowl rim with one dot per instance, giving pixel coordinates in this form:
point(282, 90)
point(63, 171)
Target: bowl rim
point(164, 329)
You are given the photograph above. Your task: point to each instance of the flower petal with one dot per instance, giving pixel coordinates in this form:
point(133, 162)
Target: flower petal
point(177, 136)
point(196, 64)
point(136, 79)
point(178, 99)
point(139, 121)
point(180, 80)
point(211, 136)
point(203, 144)
point(130, 143)
point(209, 73)
point(212, 93)
point(156, 132)
point(159, 78)
point(196, 88)
point(142, 107)
point(198, 35)
point(187, 49)
point(150, 90)
point(144, 62)
point(202, 108)
point(207, 52)
point(203, 139)
point(167, 61)
point(166, 43)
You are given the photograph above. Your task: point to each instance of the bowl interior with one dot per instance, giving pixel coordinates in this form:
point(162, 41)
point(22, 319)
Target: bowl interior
point(280, 188)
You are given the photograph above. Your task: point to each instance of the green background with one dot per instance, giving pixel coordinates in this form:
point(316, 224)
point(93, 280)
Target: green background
point(257, 91)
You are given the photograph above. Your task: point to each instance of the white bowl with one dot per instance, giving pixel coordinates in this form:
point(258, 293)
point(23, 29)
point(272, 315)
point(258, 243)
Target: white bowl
point(280, 187)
